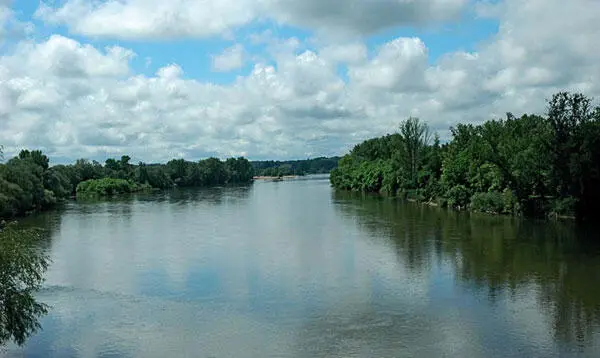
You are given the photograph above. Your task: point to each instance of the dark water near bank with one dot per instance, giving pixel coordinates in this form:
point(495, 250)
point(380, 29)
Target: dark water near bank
point(294, 269)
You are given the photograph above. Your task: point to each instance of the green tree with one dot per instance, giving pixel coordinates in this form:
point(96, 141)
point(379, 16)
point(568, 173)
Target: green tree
point(532, 165)
point(415, 139)
point(22, 266)
point(36, 156)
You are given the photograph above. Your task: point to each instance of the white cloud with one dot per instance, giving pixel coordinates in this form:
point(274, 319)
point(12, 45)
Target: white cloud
point(135, 19)
point(398, 66)
point(66, 58)
point(348, 53)
point(231, 59)
point(72, 99)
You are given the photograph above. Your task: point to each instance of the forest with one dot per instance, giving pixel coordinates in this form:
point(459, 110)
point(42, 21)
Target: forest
point(321, 165)
point(28, 183)
point(534, 165)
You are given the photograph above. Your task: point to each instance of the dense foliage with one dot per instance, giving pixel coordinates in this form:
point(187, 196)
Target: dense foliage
point(29, 183)
point(532, 165)
point(109, 186)
point(321, 165)
point(22, 264)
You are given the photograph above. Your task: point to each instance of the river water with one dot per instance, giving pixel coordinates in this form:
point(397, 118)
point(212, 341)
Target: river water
point(295, 269)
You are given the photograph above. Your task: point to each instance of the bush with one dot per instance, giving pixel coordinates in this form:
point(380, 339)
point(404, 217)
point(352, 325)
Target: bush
point(432, 190)
point(109, 186)
point(442, 202)
point(496, 202)
point(511, 202)
point(491, 202)
point(49, 198)
point(563, 206)
point(415, 194)
point(458, 197)
point(389, 182)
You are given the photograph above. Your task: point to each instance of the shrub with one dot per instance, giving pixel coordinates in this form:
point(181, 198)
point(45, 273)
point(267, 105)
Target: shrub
point(109, 186)
point(563, 206)
point(491, 202)
point(511, 202)
point(458, 196)
point(442, 202)
point(415, 194)
point(49, 198)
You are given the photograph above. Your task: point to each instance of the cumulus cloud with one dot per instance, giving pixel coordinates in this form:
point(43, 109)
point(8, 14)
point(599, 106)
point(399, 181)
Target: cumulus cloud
point(74, 100)
point(78, 102)
point(398, 66)
point(232, 58)
point(67, 58)
point(541, 47)
point(135, 19)
point(348, 53)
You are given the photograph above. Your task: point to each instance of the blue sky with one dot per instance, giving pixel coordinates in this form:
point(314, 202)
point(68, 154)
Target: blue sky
point(276, 79)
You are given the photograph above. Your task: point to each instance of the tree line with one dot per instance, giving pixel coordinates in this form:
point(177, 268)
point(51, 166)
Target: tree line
point(533, 165)
point(321, 165)
point(28, 183)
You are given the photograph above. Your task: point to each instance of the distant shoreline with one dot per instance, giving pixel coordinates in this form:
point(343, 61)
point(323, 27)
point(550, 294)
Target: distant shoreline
point(262, 177)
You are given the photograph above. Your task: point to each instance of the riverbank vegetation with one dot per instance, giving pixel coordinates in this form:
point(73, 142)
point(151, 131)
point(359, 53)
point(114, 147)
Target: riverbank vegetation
point(271, 168)
point(28, 183)
point(109, 186)
point(534, 165)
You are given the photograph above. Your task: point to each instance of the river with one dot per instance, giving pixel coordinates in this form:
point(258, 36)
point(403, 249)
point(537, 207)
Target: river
point(295, 269)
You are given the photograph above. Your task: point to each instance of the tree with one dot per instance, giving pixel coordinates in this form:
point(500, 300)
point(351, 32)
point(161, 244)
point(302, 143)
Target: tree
point(36, 156)
point(141, 174)
point(177, 169)
point(22, 266)
point(415, 138)
point(28, 176)
point(214, 171)
point(567, 113)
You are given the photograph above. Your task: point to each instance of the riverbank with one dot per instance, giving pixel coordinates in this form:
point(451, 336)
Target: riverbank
point(529, 166)
point(442, 203)
point(28, 182)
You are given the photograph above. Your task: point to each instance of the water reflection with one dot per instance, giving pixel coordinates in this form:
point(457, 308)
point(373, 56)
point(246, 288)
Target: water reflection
point(283, 269)
point(501, 257)
point(22, 266)
point(213, 196)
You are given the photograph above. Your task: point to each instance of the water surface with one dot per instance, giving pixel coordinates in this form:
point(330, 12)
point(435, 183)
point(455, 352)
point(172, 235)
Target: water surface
point(294, 269)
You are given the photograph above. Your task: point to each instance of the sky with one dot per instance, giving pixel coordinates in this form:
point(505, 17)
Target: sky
point(276, 79)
